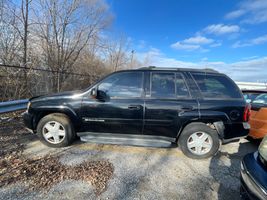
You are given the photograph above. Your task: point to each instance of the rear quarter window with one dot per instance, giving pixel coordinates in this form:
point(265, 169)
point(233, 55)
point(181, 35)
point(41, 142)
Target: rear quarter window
point(215, 86)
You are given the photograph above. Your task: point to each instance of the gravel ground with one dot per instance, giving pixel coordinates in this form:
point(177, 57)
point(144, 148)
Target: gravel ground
point(142, 173)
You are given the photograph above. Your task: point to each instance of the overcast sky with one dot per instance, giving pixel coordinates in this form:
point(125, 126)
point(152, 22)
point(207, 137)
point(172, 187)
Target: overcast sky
point(230, 36)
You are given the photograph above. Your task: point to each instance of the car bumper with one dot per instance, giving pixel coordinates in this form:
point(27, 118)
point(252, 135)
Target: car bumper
point(28, 120)
point(236, 130)
point(253, 178)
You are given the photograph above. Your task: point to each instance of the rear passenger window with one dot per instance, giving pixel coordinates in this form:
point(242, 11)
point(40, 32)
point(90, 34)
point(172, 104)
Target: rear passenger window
point(181, 89)
point(163, 85)
point(216, 86)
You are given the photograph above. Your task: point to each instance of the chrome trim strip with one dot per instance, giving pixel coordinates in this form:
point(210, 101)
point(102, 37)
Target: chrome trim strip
point(126, 136)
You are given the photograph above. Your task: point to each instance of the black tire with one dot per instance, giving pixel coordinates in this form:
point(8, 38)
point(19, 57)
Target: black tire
point(194, 128)
point(254, 141)
point(64, 121)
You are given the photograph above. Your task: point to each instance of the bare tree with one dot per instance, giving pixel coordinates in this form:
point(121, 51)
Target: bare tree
point(65, 28)
point(117, 53)
point(58, 35)
point(10, 43)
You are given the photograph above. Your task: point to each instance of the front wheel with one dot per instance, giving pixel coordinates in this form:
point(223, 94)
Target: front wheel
point(55, 130)
point(198, 141)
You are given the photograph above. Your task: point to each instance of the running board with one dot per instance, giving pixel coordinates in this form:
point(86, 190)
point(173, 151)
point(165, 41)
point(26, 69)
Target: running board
point(124, 139)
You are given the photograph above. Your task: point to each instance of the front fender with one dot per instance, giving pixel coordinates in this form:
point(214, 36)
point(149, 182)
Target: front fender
point(43, 110)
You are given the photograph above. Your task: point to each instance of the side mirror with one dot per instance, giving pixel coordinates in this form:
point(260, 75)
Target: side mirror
point(94, 92)
point(101, 95)
point(98, 94)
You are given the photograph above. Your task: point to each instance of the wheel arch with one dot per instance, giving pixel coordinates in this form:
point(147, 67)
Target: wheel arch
point(40, 113)
point(213, 123)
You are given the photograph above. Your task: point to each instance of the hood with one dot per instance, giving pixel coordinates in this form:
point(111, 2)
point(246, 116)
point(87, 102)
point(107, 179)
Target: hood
point(56, 95)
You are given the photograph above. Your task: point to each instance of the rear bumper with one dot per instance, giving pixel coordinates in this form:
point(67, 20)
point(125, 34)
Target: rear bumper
point(28, 120)
point(236, 130)
point(253, 176)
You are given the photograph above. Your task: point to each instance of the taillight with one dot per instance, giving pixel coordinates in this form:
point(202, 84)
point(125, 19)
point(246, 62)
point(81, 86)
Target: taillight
point(247, 112)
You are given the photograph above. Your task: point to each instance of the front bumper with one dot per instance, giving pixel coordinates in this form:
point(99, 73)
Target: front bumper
point(253, 178)
point(28, 120)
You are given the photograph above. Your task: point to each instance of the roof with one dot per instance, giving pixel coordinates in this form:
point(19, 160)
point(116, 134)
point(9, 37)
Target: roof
point(209, 70)
point(254, 91)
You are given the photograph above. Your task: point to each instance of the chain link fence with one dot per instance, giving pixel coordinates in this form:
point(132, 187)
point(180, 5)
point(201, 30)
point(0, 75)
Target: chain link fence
point(17, 82)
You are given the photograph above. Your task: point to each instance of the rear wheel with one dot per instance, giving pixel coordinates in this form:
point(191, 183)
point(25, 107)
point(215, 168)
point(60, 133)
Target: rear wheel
point(199, 141)
point(55, 130)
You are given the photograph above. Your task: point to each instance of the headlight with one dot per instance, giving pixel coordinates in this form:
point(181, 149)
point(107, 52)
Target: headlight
point(28, 105)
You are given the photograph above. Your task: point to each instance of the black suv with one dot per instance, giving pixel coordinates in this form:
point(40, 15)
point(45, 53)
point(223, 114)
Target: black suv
point(198, 109)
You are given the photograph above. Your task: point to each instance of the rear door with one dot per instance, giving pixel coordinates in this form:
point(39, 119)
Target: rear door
point(168, 103)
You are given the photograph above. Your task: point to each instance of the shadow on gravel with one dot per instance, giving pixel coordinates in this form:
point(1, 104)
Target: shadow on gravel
point(225, 169)
point(138, 183)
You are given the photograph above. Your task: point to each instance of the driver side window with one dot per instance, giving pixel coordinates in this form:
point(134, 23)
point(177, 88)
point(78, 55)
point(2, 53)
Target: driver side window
point(123, 85)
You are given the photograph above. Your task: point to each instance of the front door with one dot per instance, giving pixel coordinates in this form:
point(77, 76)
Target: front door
point(121, 111)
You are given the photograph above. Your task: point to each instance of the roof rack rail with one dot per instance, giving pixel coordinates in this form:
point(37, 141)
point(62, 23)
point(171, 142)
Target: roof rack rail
point(211, 70)
point(149, 67)
point(178, 69)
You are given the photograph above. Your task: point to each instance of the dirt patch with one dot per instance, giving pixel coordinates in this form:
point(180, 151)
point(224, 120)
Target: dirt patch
point(43, 172)
point(12, 134)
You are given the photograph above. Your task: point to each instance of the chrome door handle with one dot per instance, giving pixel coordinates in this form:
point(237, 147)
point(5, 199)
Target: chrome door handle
point(134, 107)
point(186, 108)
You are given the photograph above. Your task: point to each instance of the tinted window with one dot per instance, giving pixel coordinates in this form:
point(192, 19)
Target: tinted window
point(261, 99)
point(123, 85)
point(181, 89)
point(163, 85)
point(216, 86)
point(249, 97)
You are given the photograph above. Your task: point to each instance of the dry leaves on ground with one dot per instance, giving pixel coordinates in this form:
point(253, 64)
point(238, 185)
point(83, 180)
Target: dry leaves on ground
point(44, 172)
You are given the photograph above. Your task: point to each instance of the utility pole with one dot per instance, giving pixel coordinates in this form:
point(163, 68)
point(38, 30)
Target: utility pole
point(25, 17)
point(132, 55)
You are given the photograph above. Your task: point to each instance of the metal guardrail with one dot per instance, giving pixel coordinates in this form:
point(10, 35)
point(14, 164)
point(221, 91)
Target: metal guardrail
point(10, 106)
point(251, 86)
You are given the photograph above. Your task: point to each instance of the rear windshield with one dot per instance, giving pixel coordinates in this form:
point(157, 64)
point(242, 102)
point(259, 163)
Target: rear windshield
point(216, 86)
